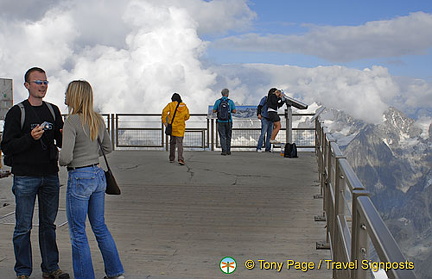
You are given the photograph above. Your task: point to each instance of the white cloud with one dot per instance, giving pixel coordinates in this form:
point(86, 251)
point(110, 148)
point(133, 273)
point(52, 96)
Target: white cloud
point(407, 35)
point(137, 53)
point(218, 17)
point(45, 42)
point(212, 17)
point(363, 94)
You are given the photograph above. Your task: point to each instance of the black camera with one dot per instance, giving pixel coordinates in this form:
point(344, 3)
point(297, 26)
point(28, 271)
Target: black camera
point(47, 125)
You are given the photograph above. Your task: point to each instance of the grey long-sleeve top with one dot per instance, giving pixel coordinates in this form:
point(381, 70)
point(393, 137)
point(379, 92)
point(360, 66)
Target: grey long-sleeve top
point(78, 149)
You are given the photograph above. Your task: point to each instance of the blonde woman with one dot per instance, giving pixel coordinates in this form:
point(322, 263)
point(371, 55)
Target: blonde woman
point(85, 196)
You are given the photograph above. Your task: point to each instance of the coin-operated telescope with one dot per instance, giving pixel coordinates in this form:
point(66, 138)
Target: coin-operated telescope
point(291, 102)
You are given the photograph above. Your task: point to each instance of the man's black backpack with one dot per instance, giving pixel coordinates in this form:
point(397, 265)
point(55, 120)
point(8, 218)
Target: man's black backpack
point(290, 150)
point(224, 111)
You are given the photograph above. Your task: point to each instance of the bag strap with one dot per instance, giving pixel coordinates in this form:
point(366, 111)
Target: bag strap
point(50, 107)
point(103, 153)
point(21, 106)
point(227, 99)
point(172, 120)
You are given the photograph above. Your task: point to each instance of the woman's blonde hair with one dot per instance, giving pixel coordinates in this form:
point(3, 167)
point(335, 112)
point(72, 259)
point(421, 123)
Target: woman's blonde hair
point(79, 99)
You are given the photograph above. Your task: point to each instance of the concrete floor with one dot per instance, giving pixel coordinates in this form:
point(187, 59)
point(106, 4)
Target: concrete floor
point(175, 221)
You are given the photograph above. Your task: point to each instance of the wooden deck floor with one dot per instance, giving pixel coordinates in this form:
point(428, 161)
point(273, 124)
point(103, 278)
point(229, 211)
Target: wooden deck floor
point(175, 221)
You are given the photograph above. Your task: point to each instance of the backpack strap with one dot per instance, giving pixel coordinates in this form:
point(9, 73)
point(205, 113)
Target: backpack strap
point(21, 106)
point(50, 107)
point(227, 100)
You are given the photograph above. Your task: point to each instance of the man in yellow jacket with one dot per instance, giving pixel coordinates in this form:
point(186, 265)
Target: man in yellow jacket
point(180, 112)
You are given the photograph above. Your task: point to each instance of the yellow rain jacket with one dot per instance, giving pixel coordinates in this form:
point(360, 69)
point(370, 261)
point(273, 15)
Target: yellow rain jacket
point(179, 124)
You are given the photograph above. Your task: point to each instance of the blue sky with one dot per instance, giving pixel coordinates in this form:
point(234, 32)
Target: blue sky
point(297, 17)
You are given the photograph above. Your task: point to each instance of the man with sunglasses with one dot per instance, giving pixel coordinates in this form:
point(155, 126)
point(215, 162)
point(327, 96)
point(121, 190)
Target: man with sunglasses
point(31, 149)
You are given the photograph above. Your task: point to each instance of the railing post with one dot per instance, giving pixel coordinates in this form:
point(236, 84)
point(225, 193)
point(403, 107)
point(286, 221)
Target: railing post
point(212, 134)
point(319, 152)
point(208, 133)
point(327, 180)
point(111, 118)
point(359, 239)
point(288, 125)
point(165, 140)
point(339, 205)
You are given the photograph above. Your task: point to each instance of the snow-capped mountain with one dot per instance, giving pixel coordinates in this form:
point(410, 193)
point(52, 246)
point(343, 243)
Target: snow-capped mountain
point(393, 160)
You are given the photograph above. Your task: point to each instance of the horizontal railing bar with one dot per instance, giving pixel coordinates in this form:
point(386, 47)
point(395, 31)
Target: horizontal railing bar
point(350, 175)
point(384, 243)
point(336, 150)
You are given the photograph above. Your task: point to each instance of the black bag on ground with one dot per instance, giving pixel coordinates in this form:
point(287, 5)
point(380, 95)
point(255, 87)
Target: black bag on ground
point(290, 150)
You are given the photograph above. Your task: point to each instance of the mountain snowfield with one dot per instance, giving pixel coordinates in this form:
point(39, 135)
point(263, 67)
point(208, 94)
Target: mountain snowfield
point(393, 160)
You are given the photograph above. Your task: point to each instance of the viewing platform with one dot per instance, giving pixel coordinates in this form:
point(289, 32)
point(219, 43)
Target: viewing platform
point(179, 222)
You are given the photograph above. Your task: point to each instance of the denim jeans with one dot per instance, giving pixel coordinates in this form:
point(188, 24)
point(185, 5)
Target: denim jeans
point(25, 189)
point(266, 130)
point(225, 134)
point(85, 196)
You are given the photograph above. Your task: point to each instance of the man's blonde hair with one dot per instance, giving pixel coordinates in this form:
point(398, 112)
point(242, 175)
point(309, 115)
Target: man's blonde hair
point(79, 98)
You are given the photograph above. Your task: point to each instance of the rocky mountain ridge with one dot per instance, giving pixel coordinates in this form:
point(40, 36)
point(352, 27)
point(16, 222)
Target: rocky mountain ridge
point(393, 160)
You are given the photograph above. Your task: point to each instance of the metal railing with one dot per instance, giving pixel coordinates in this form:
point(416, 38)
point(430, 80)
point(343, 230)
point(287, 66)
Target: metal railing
point(145, 131)
point(359, 240)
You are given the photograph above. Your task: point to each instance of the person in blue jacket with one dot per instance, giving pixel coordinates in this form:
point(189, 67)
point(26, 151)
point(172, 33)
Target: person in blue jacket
point(224, 124)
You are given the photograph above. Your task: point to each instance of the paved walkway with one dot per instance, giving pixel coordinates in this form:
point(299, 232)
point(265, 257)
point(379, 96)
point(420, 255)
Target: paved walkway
point(175, 221)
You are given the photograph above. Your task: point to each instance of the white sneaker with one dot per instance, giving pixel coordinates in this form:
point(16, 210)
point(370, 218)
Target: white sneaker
point(274, 141)
point(259, 150)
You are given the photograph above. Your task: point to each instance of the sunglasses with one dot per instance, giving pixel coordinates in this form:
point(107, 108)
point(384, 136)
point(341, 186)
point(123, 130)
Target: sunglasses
point(40, 82)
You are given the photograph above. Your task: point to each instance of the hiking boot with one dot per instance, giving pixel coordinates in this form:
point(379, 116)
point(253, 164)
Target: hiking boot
point(56, 274)
point(23, 277)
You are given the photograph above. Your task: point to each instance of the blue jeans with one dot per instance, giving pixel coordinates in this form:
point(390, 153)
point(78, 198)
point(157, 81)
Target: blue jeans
point(225, 134)
point(266, 130)
point(85, 196)
point(25, 189)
